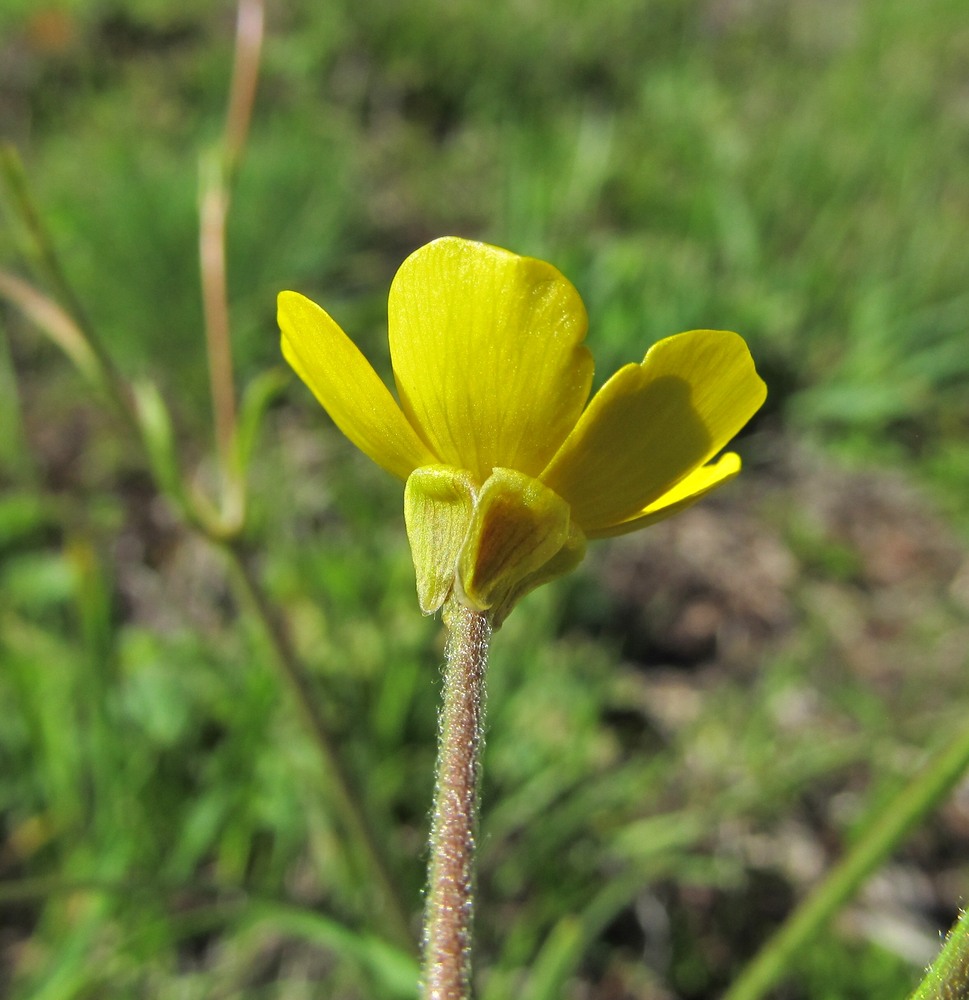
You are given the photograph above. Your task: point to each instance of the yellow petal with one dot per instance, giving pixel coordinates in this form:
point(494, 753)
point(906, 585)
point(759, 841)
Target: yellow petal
point(684, 494)
point(438, 506)
point(348, 388)
point(651, 424)
point(487, 354)
point(518, 526)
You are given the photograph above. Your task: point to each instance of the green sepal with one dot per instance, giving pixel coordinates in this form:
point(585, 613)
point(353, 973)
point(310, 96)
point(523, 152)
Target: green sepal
point(563, 562)
point(487, 546)
point(518, 526)
point(438, 507)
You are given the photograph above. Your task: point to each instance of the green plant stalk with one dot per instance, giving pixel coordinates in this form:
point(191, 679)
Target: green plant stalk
point(144, 413)
point(223, 529)
point(201, 905)
point(885, 832)
point(15, 452)
point(948, 976)
point(450, 904)
point(15, 181)
point(250, 27)
point(169, 480)
point(217, 174)
point(350, 809)
point(213, 211)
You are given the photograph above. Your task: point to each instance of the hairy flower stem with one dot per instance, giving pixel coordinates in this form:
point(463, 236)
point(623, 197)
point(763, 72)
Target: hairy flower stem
point(450, 903)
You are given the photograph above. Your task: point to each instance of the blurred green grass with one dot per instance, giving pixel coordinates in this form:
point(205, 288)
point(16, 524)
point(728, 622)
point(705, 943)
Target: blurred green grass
point(795, 171)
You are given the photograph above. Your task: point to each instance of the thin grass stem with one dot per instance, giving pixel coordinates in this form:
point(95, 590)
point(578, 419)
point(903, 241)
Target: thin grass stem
point(213, 209)
point(884, 833)
point(250, 21)
point(217, 173)
point(352, 815)
point(62, 316)
point(43, 249)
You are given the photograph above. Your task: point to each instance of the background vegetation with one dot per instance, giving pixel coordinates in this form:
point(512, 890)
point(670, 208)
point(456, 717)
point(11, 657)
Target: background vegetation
point(685, 734)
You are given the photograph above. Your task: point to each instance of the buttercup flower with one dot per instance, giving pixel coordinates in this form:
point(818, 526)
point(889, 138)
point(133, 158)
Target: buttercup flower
point(507, 471)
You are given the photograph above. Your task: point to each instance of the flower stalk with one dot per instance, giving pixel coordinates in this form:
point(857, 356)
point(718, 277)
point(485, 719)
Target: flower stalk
point(509, 467)
point(217, 174)
point(62, 318)
point(213, 210)
point(450, 904)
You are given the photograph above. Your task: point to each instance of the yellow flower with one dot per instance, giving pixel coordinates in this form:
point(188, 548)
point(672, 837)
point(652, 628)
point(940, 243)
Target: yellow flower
point(507, 471)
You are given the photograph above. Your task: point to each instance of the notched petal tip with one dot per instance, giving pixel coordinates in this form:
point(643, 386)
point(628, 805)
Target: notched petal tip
point(487, 354)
